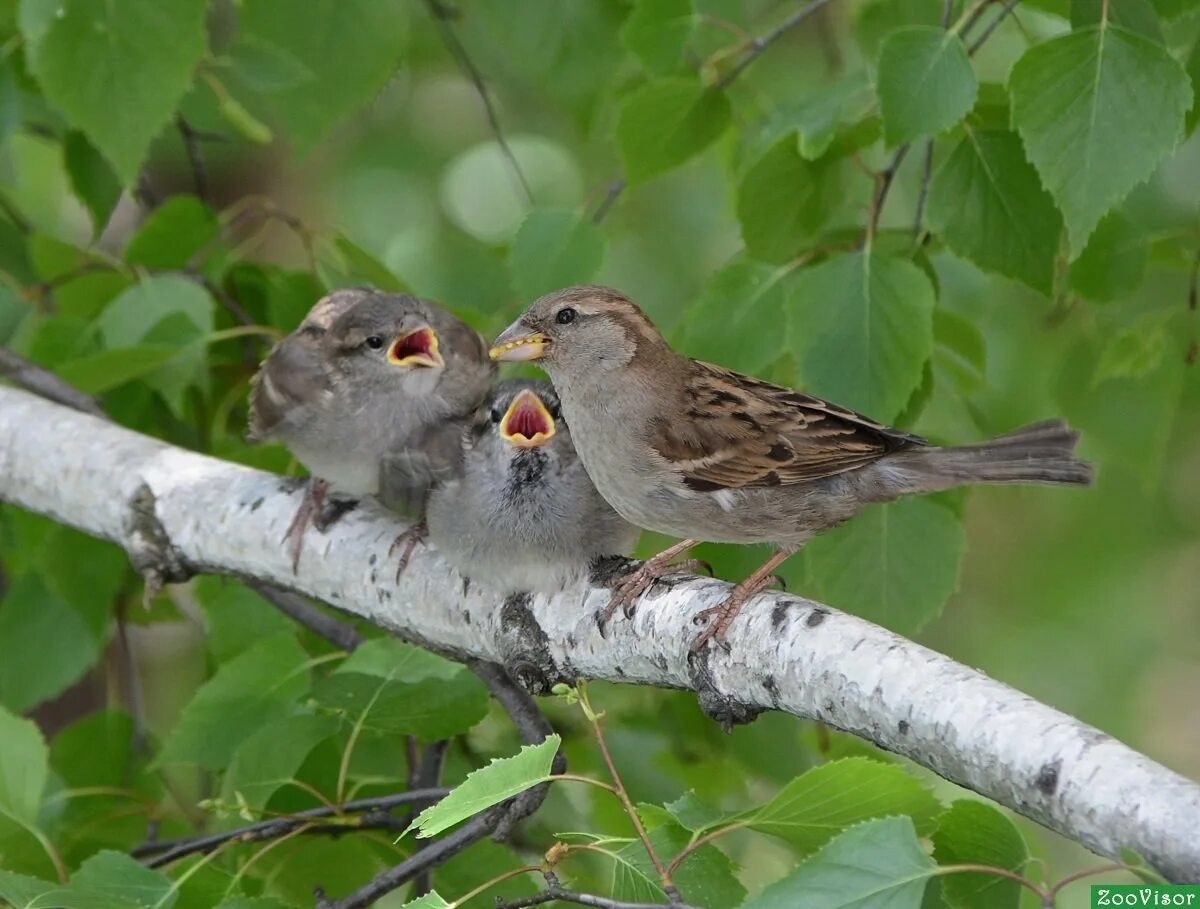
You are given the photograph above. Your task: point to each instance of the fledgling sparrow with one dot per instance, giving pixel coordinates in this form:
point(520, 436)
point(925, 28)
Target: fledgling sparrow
point(368, 394)
point(522, 515)
point(706, 454)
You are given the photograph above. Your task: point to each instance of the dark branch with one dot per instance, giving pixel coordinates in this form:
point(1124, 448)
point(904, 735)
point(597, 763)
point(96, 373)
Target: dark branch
point(883, 186)
point(374, 811)
point(195, 156)
point(992, 26)
point(615, 188)
point(555, 891)
point(338, 633)
point(42, 382)
point(759, 45)
point(442, 16)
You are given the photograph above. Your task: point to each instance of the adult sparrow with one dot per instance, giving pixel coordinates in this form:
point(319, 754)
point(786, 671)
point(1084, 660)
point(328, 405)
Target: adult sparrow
point(522, 515)
point(707, 454)
point(368, 394)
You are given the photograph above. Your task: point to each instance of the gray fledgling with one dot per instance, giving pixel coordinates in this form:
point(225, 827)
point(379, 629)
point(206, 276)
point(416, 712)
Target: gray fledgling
point(704, 453)
point(522, 516)
point(368, 394)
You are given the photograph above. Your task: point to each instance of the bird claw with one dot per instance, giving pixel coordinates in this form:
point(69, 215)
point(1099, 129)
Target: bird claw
point(409, 540)
point(307, 514)
point(718, 618)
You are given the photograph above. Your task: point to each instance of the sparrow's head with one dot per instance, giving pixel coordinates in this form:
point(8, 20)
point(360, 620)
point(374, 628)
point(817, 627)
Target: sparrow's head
point(518, 432)
point(584, 329)
point(385, 338)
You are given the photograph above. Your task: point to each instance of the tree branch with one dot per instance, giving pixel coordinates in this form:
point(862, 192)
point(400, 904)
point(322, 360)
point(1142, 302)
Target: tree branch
point(759, 45)
point(555, 891)
point(442, 15)
point(375, 811)
point(787, 653)
point(43, 382)
point(338, 633)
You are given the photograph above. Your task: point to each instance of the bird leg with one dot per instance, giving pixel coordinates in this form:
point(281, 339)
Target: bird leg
point(720, 616)
point(310, 510)
point(408, 540)
point(634, 584)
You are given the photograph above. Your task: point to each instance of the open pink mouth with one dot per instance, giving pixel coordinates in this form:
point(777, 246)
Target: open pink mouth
point(417, 348)
point(527, 423)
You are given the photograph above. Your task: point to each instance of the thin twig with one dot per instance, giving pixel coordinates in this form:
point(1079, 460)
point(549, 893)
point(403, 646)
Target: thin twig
point(19, 221)
point(442, 16)
point(195, 156)
point(883, 186)
point(992, 26)
point(428, 774)
point(1052, 892)
point(1193, 351)
point(339, 634)
point(43, 382)
point(759, 45)
point(701, 841)
point(926, 177)
point(167, 851)
point(555, 891)
point(616, 186)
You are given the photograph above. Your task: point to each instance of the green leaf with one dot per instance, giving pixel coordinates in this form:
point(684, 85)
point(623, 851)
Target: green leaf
point(783, 200)
point(657, 31)
point(30, 615)
point(351, 48)
point(91, 178)
point(100, 372)
point(988, 205)
point(1193, 71)
point(667, 122)
point(692, 814)
point(501, 779)
point(735, 320)
point(813, 807)
point(1133, 352)
point(392, 659)
point(707, 877)
point(135, 313)
point(266, 67)
point(895, 564)
point(236, 616)
point(29, 892)
point(123, 882)
point(245, 694)
point(1136, 15)
point(861, 326)
point(974, 833)
point(1098, 110)
point(173, 234)
point(429, 709)
point(819, 114)
point(138, 56)
point(925, 83)
point(877, 19)
point(960, 349)
point(430, 900)
point(271, 756)
point(23, 767)
point(554, 250)
point(1112, 265)
point(876, 865)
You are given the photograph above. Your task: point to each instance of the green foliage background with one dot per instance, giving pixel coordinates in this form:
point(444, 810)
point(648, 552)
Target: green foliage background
point(339, 142)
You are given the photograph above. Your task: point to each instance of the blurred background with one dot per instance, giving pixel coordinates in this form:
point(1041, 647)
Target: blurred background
point(365, 154)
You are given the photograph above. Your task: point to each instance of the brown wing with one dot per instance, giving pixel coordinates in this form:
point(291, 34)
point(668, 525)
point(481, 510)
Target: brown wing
point(291, 376)
point(743, 432)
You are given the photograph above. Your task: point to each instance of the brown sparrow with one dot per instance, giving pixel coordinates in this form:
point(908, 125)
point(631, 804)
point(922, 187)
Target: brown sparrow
point(367, 394)
point(522, 515)
point(704, 453)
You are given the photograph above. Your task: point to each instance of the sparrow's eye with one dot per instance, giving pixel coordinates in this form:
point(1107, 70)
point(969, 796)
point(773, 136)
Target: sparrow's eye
point(375, 342)
point(565, 316)
point(497, 416)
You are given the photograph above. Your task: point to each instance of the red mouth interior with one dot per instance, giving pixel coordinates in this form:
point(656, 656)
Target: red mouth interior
point(527, 420)
point(418, 343)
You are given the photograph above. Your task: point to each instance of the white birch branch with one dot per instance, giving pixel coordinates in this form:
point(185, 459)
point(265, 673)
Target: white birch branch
point(177, 512)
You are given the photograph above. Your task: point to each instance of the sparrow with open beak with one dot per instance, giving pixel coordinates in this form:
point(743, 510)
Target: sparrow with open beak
point(522, 515)
point(707, 454)
point(368, 394)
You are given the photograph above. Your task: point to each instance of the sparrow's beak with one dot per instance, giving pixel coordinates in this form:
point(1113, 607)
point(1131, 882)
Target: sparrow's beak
point(527, 423)
point(417, 348)
point(517, 343)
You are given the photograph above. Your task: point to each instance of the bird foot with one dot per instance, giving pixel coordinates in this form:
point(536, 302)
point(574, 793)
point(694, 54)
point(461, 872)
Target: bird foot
point(638, 581)
point(720, 617)
point(309, 513)
point(408, 541)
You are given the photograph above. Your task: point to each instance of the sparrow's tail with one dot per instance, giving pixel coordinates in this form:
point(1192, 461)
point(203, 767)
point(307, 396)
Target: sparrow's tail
point(1040, 453)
